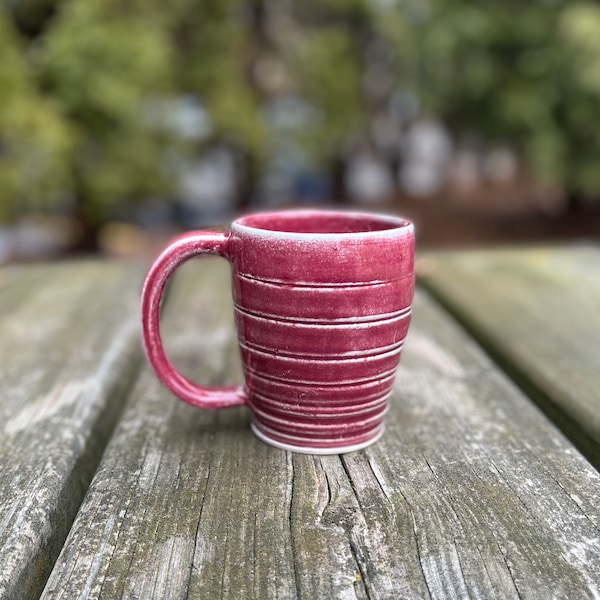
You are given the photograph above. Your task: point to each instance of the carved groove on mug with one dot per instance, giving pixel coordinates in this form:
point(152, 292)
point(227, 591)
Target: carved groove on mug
point(273, 378)
point(284, 388)
point(317, 415)
point(354, 355)
point(334, 397)
point(290, 286)
point(367, 320)
point(325, 410)
point(317, 425)
point(319, 285)
point(325, 359)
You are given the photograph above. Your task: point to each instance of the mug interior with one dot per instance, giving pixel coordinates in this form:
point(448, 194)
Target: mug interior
point(322, 222)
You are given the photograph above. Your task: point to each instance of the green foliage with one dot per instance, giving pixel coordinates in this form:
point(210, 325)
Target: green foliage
point(77, 78)
point(101, 65)
point(73, 97)
point(579, 31)
point(35, 141)
point(327, 63)
point(523, 73)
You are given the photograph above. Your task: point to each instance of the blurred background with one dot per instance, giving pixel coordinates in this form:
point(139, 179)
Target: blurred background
point(123, 122)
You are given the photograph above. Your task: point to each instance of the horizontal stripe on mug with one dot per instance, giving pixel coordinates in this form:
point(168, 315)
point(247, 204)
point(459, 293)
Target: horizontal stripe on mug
point(315, 393)
point(326, 377)
point(348, 259)
point(317, 424)
point(339, 322)
point(299, 370)
point(298, 339)
point(321, 410)
point(351, 354)
point(293, 283)
point(323, 302)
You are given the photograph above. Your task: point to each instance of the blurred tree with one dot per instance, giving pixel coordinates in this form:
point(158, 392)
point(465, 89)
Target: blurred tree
point(523, 73)
point(217, 48)
point(328, 62)
point(100, 64)
point(87, 87)
point(312, 64)
point(36, 143)
point(86, 92)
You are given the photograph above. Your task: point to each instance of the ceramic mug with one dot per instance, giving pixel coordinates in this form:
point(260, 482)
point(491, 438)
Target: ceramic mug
point(322, 307)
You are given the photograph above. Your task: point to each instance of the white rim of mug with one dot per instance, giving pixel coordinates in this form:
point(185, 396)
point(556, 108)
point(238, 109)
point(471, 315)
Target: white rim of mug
point(398, 225)
point(312, 450)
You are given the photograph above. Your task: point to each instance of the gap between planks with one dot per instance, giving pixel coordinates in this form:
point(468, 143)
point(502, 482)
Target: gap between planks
point(560, 418)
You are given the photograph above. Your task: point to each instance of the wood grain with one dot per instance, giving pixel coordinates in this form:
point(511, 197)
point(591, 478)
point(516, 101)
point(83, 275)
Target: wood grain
point(537, 312)
point(68, 352)
point(471, 492)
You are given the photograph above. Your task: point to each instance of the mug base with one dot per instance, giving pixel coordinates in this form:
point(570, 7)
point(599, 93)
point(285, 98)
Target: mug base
point(314, 450)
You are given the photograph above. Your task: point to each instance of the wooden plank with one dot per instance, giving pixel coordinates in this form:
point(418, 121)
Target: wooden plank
point(470, 492)
point(68, 351)
point(537, 312)
point(14, 279)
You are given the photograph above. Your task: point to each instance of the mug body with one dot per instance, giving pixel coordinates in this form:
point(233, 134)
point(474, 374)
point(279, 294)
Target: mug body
point(322, 307)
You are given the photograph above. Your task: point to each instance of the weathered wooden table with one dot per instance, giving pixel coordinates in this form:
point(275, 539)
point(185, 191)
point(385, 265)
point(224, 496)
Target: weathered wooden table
point(110, 488)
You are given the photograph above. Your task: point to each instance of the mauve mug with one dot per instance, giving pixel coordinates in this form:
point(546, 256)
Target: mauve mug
point(322, 306)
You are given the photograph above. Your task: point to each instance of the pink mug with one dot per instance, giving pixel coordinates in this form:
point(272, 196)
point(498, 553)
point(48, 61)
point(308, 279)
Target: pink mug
point(322, 306)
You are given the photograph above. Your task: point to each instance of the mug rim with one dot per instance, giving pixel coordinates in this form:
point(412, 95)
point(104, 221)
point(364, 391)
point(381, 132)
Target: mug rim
point(394, 224)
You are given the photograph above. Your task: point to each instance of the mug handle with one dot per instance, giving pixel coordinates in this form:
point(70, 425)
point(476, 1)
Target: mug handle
point(182, 249)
